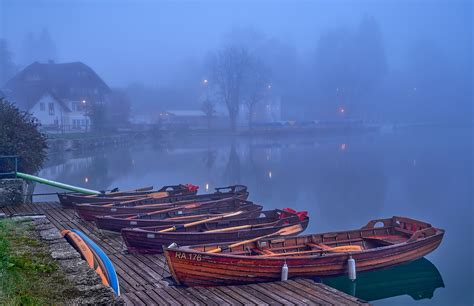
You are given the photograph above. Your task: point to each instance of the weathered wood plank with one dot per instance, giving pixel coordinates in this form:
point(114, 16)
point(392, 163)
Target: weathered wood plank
point(252, 298)
point(134, 299)
point(180, 295)
point(166, 296)
point(199, 296)
point(280, 297)
point(285, 293)
point(216, 298)
point(267, 299)
point(331, 292)
point(235, 295)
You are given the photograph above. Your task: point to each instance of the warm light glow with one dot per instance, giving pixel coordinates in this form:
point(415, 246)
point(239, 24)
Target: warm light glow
point(342, 110)
point(83, 101)
point(343, 147)
point(205, 81)
point(269, 86)
point(86, 179)
point(269, 174)
point(207, 186)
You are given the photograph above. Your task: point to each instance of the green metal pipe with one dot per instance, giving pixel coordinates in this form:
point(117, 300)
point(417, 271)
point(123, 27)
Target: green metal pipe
point(55, 184)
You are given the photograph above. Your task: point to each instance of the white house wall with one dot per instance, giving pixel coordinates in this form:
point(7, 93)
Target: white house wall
point(58, 117)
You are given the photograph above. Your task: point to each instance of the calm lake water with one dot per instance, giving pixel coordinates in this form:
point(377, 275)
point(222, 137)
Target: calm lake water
point(343, 181)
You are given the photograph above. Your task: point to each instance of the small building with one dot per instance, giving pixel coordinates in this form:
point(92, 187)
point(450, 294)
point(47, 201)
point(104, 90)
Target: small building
point(183, 119)
point(59, 95)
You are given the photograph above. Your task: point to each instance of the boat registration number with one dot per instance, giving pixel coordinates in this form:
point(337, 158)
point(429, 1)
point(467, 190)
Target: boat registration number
point(195, 257)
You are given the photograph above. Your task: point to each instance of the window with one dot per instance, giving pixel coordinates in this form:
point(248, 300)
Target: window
point(51, 108)
point(75, 106)
point(42, 106)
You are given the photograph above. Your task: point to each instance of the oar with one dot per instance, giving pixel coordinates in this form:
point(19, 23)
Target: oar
point(141, 189)
point(144, 197)
point(192, 217)
point(294, 229)
point(339, 249)
point(200, 222)
point(240, 227)
point(124, 202)
point(193, 205)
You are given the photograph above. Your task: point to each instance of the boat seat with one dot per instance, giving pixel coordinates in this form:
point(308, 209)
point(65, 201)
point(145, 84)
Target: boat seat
point(318, 246)
point(386, 239)
point(262, 251)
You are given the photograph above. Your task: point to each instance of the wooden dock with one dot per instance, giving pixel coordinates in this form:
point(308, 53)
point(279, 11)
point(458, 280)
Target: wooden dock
point(143, 278)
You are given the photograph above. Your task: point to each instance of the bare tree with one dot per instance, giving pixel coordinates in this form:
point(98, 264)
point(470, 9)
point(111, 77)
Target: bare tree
point(228, 69)
point(257, 86)
point(210, 110)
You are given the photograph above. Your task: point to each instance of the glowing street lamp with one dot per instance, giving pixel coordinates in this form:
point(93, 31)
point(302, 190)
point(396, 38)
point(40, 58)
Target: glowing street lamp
point(342, 110)
point(205, 81)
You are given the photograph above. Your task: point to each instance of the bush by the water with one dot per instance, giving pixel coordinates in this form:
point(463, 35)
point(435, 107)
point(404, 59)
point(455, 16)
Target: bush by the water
point(19, 135)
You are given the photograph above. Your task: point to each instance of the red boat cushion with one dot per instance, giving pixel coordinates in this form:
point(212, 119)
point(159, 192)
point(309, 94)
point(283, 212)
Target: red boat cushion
point(301, 214)
point(192, 187)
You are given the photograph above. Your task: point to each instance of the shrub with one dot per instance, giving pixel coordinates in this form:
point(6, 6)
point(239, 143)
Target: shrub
point(19, 135)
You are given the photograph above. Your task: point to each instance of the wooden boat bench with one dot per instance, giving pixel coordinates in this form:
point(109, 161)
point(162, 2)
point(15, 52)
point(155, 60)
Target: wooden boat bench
point(386, 239)
point(262, 251)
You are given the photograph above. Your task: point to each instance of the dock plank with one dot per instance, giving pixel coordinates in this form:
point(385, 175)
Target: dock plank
point(142, 276)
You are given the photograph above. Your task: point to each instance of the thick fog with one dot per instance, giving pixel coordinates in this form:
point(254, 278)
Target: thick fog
point(380, 60)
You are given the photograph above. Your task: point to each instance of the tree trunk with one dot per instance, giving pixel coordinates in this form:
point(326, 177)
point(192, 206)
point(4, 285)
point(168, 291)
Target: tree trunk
point(233, 121)
point(250, 117)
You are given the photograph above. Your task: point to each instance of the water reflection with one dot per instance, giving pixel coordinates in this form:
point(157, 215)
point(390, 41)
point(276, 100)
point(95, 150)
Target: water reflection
point(373, 176)
point(418, 279)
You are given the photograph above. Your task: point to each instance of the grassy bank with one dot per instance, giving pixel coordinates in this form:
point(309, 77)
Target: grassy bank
point(28, 274)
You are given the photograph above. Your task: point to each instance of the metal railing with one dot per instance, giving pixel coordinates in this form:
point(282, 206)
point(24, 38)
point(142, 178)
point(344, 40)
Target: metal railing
point(4, 160)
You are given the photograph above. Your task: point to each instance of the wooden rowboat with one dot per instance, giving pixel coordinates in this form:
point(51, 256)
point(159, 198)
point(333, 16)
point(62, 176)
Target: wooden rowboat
point(152, 239)
point(89, 212)
point(196, 212)
point(398, 240)
point(67, 200)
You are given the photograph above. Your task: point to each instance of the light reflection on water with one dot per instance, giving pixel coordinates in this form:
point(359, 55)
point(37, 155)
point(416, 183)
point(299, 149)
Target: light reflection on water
point(342, 181)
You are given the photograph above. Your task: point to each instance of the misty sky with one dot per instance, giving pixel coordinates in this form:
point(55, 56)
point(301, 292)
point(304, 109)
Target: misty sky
point(154, 41)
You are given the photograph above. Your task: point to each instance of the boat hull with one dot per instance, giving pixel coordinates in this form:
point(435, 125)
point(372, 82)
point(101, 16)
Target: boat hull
point(68, 200)
point(141, 240)
point(117, 223)
point(175, 194)
point(89, 212)
point(199, 268)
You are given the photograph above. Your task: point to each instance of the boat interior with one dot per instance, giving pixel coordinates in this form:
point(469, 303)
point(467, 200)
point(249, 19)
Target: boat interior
point(377, 233)
point(269, 218)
